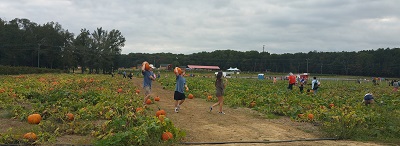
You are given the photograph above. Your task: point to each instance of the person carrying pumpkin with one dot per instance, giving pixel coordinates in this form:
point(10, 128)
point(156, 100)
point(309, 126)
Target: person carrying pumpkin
point(147, 79)
point(179, 94)
point(220, 89)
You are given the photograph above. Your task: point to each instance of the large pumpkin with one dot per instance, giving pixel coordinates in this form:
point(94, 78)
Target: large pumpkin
point(167, 135)
point(178, 70)
point(34, 119)
point(146, 65)
point(30, 136)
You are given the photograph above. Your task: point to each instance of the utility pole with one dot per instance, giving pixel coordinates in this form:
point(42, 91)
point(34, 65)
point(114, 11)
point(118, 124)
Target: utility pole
point(307, 64)
point(38, 55)
point(321, 68)
point(263, 48)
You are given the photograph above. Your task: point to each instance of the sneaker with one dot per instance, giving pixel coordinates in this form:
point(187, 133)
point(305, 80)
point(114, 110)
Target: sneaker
point(176, 110)
point(222, 113)
point(210, 108)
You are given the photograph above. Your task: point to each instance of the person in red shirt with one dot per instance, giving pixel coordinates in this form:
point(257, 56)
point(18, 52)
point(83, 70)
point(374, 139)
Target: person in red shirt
point(292, 81)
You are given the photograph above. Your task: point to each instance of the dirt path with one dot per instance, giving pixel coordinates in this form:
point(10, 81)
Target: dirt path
point(240, 124)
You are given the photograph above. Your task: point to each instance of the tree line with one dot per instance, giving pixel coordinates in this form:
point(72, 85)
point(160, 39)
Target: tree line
point(379, 63)
point(25, 43)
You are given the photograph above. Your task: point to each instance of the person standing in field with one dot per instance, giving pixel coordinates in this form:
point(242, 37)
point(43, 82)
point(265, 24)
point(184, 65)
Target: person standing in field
point(148, 77)
point(292, 81)
point(395, 85)
point(220, 86)
point(179, 95)
point(274, 80)
point(301, 86)
point(314, 85)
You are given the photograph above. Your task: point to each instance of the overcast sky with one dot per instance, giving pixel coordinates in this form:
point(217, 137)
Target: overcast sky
point(192, 26)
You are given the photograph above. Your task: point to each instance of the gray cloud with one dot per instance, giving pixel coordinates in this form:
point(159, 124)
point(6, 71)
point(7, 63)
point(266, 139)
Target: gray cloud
point(191, 26)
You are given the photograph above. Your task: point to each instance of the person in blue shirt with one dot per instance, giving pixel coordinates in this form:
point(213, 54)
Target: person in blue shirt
point(148, 77)
point(368, 99)
point(179, 95)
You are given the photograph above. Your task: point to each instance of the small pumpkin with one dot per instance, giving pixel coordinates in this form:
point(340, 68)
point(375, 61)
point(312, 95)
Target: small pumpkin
point(139, 109)
point(137, 91)
point(119, 90)
point(148, 101)
point(34, 119)
point(209, 97)
point(161, 118)
point(70, 116)
point(160, 112)
point(253, 104)
point(310, 116)
point(167, 135)
point(190, 96)
point(331, 105)
point(30, 136)
point(157, 98)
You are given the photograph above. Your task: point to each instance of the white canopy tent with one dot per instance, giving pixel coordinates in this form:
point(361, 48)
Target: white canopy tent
point(233, 69)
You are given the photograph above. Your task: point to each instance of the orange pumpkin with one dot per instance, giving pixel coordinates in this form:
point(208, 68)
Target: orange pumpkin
point(252, 104)
point(146, 65)
point(310, 116)
point(209, 97)
point(34, 119)
point(119, 90)
point(190, 96)
point(70, 116)
point(160, 112)
point(139, 109)
point(331, 105)
point(178, 70)
point(148, 101)
point(30, 136)
point(161, 118)
point(167, 135)
point(137, 91)
point(157, 98)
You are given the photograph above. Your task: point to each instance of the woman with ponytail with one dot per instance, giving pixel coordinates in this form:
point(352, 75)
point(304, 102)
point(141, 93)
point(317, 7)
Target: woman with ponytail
point(220, 89)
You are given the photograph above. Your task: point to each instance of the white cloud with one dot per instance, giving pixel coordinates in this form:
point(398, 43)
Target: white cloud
point(193, 26)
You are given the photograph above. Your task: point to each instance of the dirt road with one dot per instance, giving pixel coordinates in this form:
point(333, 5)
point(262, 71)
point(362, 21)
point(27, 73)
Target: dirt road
point(237, 125)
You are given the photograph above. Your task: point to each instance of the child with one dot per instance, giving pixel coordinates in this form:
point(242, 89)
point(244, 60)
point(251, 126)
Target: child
point(220, 89)
point(179, 95)
point(301, 86)
point(147, 79)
